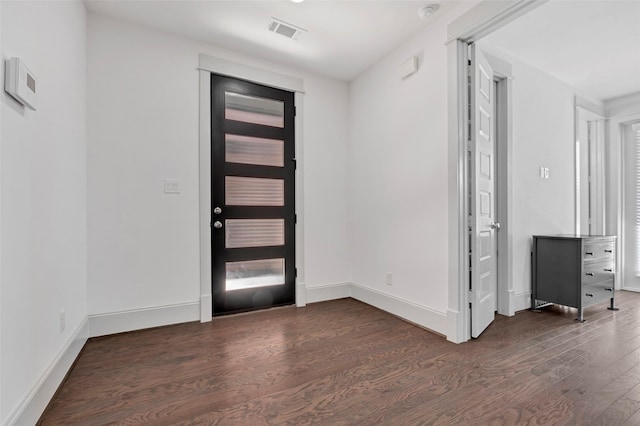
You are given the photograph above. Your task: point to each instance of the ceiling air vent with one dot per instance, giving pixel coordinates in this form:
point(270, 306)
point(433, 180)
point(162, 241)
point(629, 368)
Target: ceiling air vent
point(285, 29)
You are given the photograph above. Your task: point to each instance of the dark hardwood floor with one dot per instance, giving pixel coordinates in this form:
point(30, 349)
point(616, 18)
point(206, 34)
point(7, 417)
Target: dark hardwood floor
point(346, 363)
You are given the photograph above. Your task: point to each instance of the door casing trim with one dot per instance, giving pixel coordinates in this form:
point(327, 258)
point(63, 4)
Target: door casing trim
point(207, 66)
point(504, 184)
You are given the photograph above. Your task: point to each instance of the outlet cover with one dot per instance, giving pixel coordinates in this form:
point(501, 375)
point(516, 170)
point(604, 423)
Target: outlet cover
point(171, 186)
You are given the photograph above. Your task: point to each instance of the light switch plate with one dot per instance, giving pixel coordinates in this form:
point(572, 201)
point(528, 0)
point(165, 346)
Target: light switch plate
point(171, 186)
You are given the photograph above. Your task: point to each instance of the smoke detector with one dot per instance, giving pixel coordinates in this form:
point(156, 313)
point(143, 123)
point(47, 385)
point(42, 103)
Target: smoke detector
point(428, 10)
point(285, 29)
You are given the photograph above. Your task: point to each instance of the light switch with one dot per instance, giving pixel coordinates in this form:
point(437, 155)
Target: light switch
point(544, 172)
point(171, 186)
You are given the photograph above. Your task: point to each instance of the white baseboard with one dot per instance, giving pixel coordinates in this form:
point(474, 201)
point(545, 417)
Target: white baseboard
point(301, 294)
point(206, 307)
point(326, 292)
point(138, 319)
point(520, 301)
point(33, 405)
point(417, 314)
point(455, 333)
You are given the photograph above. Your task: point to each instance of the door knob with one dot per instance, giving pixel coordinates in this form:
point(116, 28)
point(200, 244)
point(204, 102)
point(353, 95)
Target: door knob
point(217, 224)
point(494, 225)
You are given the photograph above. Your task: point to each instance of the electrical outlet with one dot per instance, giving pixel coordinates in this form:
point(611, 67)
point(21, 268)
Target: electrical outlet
point(171, 186)
point(389, 278)
point(63, 320)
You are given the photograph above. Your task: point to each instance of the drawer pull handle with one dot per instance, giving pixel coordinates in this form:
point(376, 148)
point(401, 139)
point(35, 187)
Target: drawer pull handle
point(609, 289)
point(608, 251)
point(590, 274)
point(588, 294)
point(608, 270)
point(589, 253)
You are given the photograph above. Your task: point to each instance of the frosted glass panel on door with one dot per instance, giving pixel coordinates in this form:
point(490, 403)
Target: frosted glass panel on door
point(251, 109)
point(254, 233)
point(246, 191)
point(254, 273)
point(258, 151)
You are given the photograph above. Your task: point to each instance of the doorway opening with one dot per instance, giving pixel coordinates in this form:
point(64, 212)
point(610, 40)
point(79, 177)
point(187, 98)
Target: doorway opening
point(590, 181)
point(208, 66)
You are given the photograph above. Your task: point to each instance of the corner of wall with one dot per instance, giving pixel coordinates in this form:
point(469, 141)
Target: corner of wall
point(140, 319)
point(322, 293)
point(405, 309)
point(35, 402)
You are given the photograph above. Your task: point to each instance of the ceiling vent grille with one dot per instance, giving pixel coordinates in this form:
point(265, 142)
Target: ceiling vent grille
point(285, 29)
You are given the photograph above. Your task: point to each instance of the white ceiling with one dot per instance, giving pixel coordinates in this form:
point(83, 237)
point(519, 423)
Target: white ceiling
point(344, 37)
point(592, 45)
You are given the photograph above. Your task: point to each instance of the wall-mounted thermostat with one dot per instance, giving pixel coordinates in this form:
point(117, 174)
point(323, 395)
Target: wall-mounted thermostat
point(20, 83)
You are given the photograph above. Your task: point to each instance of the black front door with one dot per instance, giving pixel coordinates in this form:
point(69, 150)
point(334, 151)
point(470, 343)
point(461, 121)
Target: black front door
point(252, 196)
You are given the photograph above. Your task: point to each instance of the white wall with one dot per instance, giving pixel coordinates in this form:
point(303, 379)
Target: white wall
point(143, 93)
point(398, 172)
point(398, 177)
point(543, 135)
point(43, 197)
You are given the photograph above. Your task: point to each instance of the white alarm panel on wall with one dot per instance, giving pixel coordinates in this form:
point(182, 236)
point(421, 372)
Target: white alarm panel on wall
point(20, 83)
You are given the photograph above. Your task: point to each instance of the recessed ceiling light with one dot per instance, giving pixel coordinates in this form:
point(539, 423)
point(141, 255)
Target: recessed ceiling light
point(297, 1)
point(428, 10)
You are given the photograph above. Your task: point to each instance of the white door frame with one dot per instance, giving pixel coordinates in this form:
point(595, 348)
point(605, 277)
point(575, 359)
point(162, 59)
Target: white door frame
point(207, 66)
point(616, 189)
point(504, 185)
point(478, 22)
point(619, 112)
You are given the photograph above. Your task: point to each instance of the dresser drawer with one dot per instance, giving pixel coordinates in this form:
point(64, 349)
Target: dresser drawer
point(596, 293)
point(597, 251)
point(598, 272)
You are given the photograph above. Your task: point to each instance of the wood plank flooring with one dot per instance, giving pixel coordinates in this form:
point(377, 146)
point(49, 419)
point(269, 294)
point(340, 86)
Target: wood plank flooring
point(346, 363)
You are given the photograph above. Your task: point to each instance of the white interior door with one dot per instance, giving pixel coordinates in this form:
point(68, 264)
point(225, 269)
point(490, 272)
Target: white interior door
point(483, 291)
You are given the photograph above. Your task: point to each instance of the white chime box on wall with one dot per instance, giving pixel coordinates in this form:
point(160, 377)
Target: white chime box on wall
point(408, 68)
point(20, 83)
